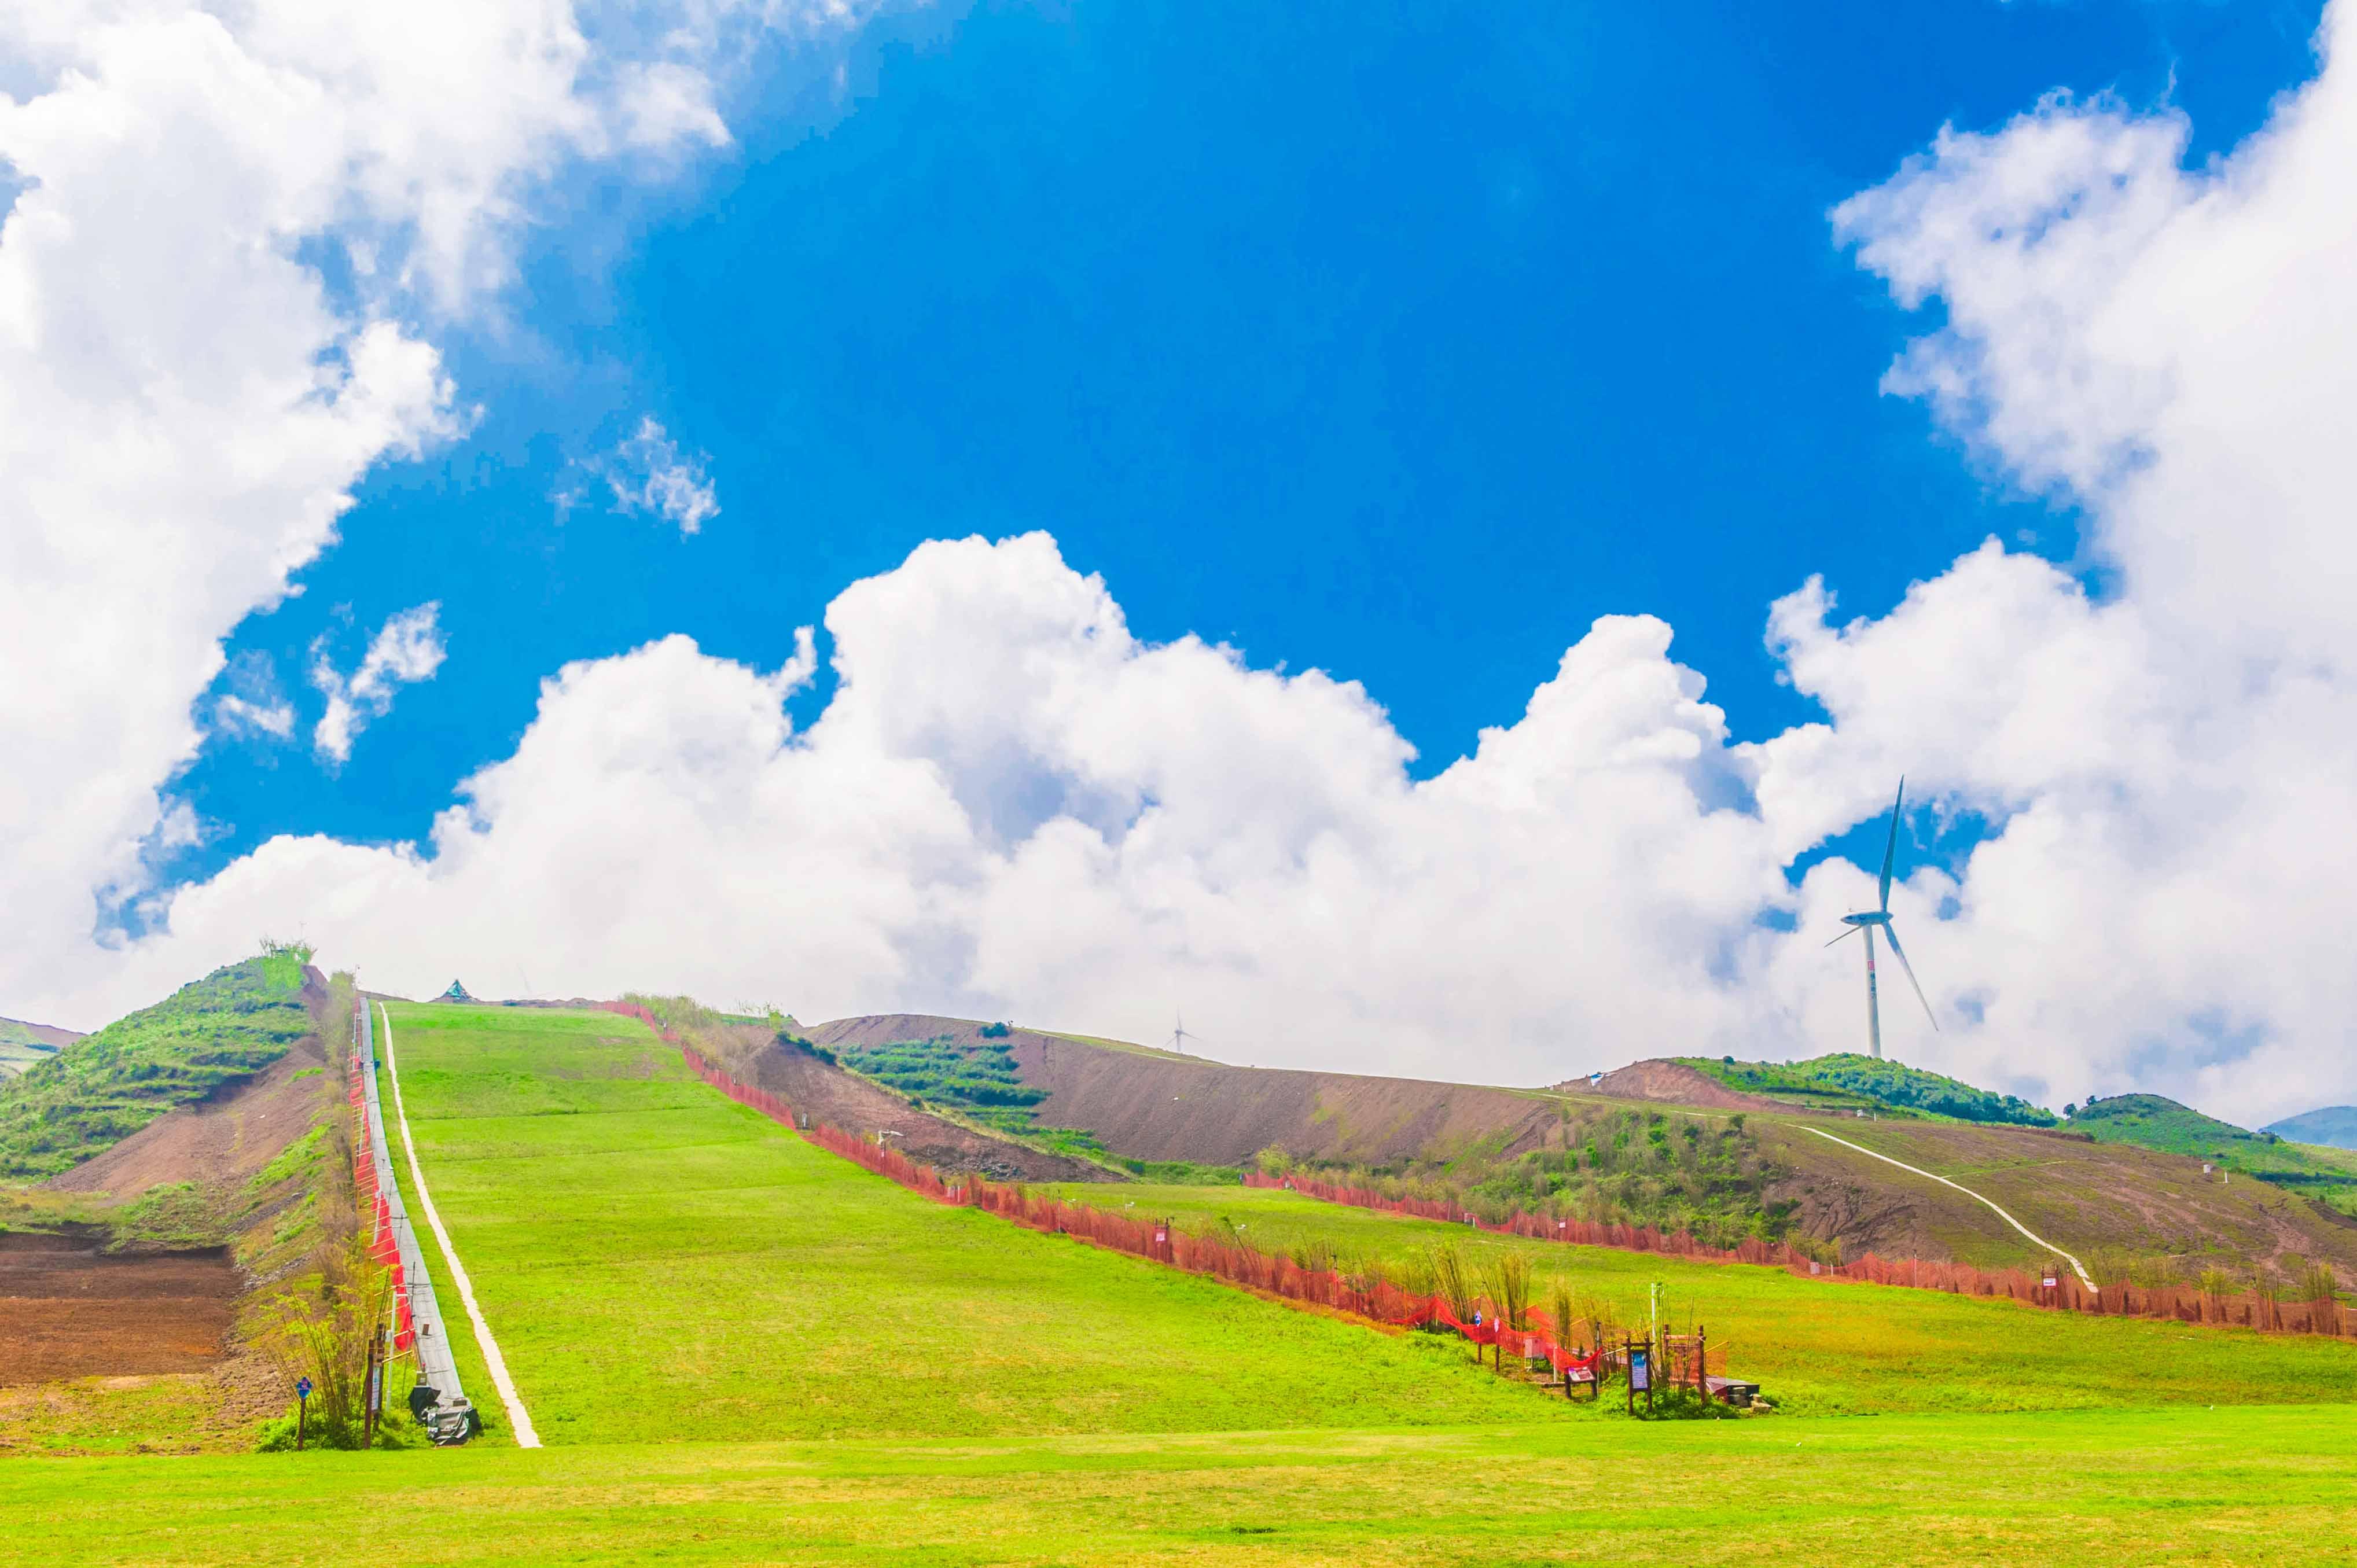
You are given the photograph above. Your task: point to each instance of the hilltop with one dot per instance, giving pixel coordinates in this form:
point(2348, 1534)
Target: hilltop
point(1848, 1081)
point(209, 1034)
point(2156, 1121)
point(2334, 1127)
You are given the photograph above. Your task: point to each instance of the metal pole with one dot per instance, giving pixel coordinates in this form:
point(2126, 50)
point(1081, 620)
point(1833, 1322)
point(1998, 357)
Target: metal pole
point(1873, 1012)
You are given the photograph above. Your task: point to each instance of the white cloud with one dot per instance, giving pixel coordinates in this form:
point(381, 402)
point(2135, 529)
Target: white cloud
point(1012, 806)
point(185, 405)
point(255, 707)
point(406, 649)
point(648, 473)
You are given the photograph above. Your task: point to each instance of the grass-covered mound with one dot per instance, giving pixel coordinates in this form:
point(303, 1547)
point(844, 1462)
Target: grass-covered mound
point(1847, 1080)
point(2156, 1121)
point(1703, 1174)
point(659, 1263)
point(104, 1088)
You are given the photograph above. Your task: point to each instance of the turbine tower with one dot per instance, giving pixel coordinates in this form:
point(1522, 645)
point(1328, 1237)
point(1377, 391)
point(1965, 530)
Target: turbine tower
point(1179, 1036)
point(1867, 922)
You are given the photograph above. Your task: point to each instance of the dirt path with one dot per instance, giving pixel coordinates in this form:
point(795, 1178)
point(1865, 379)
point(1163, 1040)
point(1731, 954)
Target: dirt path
point(518, 1419)
point(2076, 1267)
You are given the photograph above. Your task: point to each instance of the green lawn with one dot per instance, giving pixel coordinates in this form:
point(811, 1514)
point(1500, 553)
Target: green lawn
point(1823, 1347)
point(2243, 1486)
point(659, 1263)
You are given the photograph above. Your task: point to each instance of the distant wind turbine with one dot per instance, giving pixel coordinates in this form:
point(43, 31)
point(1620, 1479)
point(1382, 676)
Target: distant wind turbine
point(1179, 1036)
point(1867, 922)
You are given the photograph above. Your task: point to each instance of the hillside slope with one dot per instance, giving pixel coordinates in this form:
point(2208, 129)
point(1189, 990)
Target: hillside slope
point(209, 1034)
point(2156, 1121)
point(2084, 1195)
point(660, 1264)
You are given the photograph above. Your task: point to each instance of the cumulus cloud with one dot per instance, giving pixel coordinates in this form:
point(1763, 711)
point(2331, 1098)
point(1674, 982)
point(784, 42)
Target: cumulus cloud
point(185, 403)
point(406, 649)
point(1011, 805)
point(648, 473)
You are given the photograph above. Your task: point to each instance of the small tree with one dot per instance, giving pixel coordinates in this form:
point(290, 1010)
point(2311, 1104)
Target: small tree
point(1452, 1278)
point(322, 1330)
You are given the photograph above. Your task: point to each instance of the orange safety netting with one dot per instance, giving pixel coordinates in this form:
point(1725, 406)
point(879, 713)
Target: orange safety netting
point(2183, 1303)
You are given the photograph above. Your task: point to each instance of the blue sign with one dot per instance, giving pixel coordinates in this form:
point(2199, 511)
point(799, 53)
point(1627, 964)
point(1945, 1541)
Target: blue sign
point(302, 1388)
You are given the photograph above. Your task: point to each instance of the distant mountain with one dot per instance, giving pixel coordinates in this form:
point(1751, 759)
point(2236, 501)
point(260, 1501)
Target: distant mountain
point(23, 1044)
point(2335, 1127)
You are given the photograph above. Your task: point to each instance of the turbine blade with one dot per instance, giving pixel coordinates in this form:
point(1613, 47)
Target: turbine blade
point(1892, 932)
point(1890, 848)
point(1847, 932)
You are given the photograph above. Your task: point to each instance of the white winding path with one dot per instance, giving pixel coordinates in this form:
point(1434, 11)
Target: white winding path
point(518, 1419)
point(2075, 1266)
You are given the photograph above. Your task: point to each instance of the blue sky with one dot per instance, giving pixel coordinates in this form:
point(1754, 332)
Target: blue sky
point(1401, 342)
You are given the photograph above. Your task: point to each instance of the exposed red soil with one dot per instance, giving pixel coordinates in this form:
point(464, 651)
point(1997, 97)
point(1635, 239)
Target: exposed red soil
point(828, 1093)
point(1673, 1084)
point(217, 1142)
point(1155, 1105)
point(69, 1310)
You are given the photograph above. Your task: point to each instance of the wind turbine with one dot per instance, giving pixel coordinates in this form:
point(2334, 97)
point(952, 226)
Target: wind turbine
point(1179, 1036)
point(1867, 920)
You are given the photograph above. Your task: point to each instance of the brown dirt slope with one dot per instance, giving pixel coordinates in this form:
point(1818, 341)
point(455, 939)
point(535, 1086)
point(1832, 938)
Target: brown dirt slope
point(218, 1142)
point(1155, 1105)
point(828, 1093)
point(1673, 1083)
point(69, 1309)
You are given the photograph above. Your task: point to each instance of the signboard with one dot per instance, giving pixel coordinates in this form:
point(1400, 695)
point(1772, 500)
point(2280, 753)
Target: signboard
point(2050, 1281)
point(1641, 1372)
point(1579, 1374)
point(302, 1388)
point(1161, 1235)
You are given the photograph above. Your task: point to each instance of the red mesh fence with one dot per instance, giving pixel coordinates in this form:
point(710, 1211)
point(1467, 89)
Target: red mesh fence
point(1367, 1295)
point(2183, 1304)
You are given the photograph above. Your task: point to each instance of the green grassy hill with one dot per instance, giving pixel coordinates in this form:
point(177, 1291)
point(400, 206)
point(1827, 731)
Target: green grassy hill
point(659, 1263)
point(1845, 1081)
point(106, 1086)
point(2156, 1121)
point(742, 1350)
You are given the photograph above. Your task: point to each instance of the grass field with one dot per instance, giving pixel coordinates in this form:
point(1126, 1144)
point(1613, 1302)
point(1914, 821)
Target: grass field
point(660, 1263)
point(1819, 1347)
point(2243, 1486)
